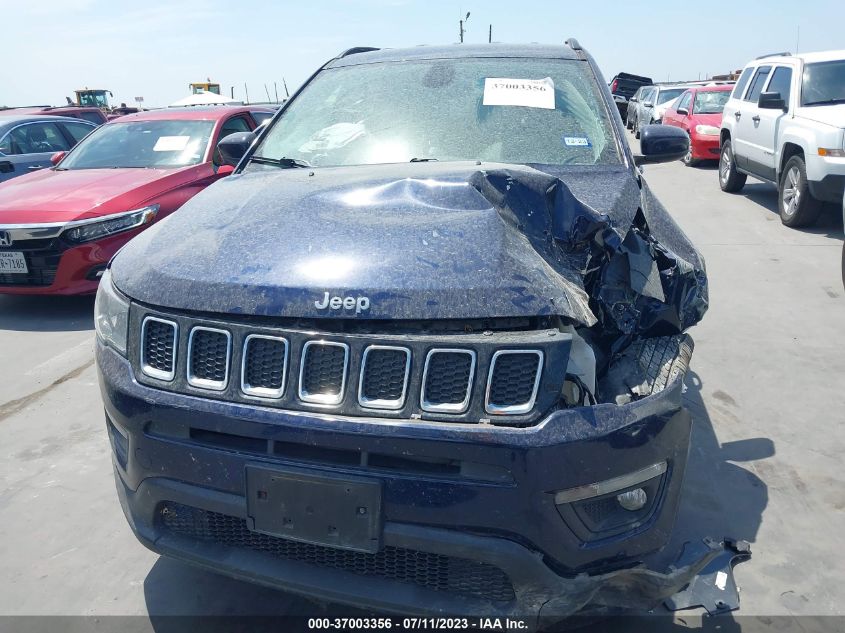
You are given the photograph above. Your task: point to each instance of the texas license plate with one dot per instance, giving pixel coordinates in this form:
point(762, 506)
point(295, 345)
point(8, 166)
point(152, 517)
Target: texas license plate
point(13, 262)
point(315, 507)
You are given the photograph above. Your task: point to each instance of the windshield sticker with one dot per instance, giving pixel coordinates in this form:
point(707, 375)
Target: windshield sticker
point(576, 141)
point(529, 93)
point(171, 143)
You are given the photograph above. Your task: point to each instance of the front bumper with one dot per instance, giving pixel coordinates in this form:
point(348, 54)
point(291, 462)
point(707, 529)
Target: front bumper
point(705, 147)
point(828, 189)
point(496, 510)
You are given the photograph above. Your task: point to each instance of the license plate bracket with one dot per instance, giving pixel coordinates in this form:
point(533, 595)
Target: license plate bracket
point(315, 507)
point(13, 262)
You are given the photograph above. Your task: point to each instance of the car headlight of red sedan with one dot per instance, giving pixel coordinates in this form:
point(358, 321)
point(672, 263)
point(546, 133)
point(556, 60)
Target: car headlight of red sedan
point(707, 130)
point(88, 230)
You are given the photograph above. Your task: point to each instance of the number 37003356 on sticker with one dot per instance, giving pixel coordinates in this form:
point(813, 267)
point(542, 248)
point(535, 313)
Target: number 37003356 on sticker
point(529, 93)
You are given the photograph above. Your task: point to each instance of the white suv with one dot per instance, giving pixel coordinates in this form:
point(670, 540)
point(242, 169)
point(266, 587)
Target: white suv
point(785, 123)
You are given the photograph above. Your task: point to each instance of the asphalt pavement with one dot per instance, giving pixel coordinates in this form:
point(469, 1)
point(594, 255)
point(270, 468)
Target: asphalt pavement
point(766, 389)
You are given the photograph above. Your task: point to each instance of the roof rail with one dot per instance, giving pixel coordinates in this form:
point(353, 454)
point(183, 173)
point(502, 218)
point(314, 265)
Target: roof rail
point(355, 50)
point(783, 54)
point(573, 44)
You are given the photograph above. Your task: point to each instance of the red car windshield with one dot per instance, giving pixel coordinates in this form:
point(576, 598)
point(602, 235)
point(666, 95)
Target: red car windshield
point(142, 144)
point(710, 102)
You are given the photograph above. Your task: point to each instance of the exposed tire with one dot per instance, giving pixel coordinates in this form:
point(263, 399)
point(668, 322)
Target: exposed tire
point(730, 179)
point(629, 125)
point(636, 128)
point(795, 204)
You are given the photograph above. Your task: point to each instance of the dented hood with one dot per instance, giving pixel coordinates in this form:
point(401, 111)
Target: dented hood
point(429, 241)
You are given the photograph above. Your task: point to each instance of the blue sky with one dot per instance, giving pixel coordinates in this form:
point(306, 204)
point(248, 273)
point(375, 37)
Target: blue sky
point(155, 48)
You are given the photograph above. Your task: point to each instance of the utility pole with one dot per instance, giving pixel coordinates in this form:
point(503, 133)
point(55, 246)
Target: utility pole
point(246, 90)
point(276, 90)
point(461, 29)
point(490, 35)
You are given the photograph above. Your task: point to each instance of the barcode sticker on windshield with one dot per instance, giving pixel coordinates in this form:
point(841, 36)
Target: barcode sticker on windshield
point(171, 143)
point(529, 93)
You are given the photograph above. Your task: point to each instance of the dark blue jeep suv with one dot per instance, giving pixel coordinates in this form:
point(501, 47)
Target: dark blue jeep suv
point(423, 352)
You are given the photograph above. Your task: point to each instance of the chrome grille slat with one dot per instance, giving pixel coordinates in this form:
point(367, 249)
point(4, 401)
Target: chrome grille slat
point(209, 358)
point(264, 366)
point(158, 349)
point(445, 391)
point(381, 385)
point(513, 381)
point(322, 373)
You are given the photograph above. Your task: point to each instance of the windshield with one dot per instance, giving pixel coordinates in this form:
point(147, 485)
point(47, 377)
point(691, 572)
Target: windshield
point(667, 95)
point(711, 102)
point(502, 110)
point(155, 144)
point(823, 83)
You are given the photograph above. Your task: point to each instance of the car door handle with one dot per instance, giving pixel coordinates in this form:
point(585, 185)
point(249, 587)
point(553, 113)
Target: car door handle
point(756, 118)
point(737, 114)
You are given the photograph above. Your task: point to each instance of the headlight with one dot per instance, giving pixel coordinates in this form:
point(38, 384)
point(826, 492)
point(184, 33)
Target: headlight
point(707, 130)
point(111, 315)
point(94, 229)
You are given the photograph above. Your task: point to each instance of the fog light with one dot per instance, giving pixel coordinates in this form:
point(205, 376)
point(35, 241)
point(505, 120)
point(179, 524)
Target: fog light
point(633, 500)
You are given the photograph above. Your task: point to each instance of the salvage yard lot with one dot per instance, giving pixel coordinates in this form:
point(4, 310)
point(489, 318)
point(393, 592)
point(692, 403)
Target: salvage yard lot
point(766, 390)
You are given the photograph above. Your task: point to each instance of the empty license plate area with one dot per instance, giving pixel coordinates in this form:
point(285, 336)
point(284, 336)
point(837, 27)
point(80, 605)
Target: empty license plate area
point(317, 508)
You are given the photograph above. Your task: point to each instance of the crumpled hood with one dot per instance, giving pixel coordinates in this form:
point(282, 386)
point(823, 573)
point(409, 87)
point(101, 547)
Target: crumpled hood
point(418, 241)
point(52, 195)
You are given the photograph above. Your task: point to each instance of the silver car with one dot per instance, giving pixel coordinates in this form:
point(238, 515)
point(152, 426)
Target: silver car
point(27, 142)
point(653, 102)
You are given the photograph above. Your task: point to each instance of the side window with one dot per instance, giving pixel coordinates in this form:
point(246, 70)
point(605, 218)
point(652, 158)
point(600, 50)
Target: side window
point(235, 124)
point(757, 83)
point(741, 83)
point(6, 144)
point(37, 138)
point(649, 96)
point(781, 82)
point(77, 130)
point(684, 103)
point(260, 117)
point(93, 117)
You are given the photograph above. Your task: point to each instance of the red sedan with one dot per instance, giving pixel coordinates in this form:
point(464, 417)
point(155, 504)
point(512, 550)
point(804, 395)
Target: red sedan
point(699, 112)
point(59, 227)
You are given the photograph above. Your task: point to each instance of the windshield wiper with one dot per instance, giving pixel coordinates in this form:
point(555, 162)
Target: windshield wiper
point(422, 160)
point(283, 162)
point(826, 101)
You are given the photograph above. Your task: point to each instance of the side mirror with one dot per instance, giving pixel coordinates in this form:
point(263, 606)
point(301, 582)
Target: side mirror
point(661, 144)
point(648, 104)
point(683, 111)
point(634, 100)
point(224, 170)
point(6, 167)
point(57, 157)
point(771, 101)
point(233, 147)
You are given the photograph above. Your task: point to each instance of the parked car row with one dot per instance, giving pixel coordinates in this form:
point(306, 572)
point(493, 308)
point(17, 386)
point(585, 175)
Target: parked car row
point(59, 227)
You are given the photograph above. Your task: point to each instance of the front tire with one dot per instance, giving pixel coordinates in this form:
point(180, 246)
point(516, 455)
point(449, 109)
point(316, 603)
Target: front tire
point(795, 204)
point(689, 161)
point(730, 180)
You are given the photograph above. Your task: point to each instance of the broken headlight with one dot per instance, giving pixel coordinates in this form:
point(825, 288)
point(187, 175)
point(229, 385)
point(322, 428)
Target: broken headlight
point(95, 229)
point(111, 315)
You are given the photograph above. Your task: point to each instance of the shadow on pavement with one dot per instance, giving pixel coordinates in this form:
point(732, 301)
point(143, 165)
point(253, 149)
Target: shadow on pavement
point(720, 498)
point(829, 223)
point(46, 314)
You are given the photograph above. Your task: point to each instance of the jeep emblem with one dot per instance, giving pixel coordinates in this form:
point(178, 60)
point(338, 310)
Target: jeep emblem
point(359, 304)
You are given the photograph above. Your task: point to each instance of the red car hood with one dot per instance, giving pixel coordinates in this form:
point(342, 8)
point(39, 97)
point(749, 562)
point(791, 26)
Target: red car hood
point(707, 119)
point(78, 194)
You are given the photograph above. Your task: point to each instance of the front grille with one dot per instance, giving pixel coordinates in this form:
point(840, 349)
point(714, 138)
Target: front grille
point(429, 375)
point(384, 377)
point(208, 358)
point(322, 376)
point(447, 380)
point(435, 572)
point(42, 261)
point(514, 378)
point(158, 348)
